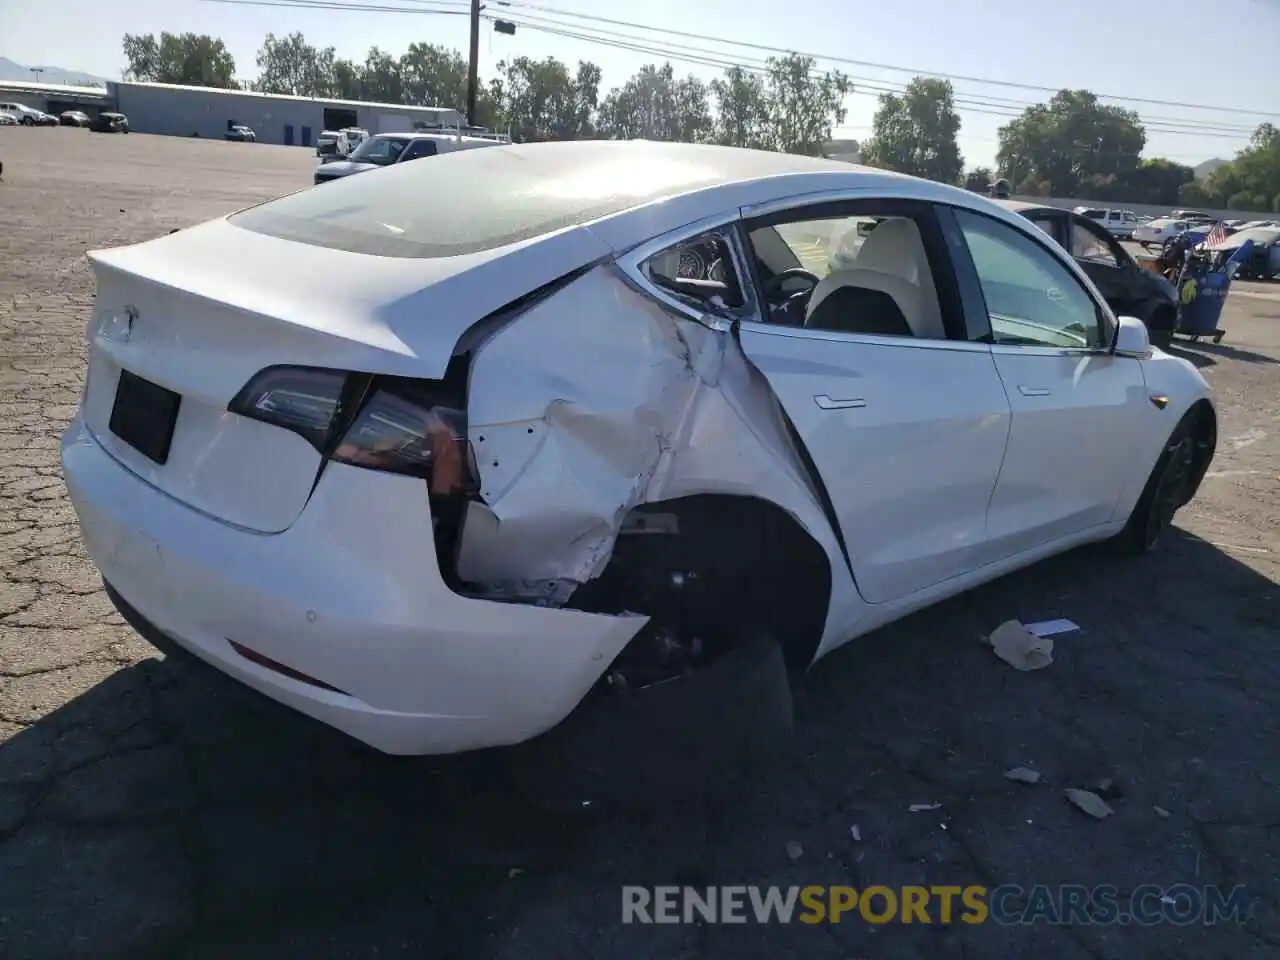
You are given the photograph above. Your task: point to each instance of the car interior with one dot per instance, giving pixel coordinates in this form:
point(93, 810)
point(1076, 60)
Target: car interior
point(872, 275)
point(866, 275)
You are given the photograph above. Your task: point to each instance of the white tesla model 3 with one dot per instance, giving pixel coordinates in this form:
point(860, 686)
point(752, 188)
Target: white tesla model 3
point(448, 453)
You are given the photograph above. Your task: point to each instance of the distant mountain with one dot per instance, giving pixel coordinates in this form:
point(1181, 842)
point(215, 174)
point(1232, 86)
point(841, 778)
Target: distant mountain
point(1204, 169)
point(16, 72)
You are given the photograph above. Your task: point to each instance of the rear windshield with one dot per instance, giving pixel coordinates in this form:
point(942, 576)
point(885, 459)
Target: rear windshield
point(473, 200)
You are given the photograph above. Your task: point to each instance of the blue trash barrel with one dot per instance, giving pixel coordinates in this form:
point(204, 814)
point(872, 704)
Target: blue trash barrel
point(1203, 297)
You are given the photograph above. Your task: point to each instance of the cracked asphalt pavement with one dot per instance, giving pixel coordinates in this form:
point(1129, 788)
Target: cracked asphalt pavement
point(149, 808)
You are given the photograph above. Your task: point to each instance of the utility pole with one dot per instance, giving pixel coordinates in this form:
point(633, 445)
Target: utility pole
point(473, 65)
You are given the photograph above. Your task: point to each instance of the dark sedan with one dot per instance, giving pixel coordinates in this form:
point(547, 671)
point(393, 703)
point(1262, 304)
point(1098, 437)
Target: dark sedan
point(1131, 290)
point(110, 122)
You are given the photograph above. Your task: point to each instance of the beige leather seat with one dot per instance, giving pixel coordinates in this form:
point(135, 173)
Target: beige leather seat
point(893, 261)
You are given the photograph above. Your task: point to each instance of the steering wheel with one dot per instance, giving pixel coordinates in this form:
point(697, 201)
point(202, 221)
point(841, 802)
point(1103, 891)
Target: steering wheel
point(774, 283)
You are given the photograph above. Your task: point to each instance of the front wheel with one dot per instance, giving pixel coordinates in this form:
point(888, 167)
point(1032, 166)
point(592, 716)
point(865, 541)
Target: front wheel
point(1168, 488)
point(28, 122)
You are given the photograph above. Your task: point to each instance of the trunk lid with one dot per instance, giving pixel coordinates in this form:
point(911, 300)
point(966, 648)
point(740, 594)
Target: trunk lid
point(212, 306)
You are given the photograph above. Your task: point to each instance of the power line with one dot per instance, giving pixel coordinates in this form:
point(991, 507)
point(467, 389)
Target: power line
point(522, 5)
point(702, 57)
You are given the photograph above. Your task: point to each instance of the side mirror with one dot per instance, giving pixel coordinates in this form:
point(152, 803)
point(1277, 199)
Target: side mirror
point(1132, 339)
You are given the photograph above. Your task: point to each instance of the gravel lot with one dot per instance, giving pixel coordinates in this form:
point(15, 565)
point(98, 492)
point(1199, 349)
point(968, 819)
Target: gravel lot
point(148, 810)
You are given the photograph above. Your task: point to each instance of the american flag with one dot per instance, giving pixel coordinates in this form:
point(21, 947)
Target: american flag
point(1217, 234)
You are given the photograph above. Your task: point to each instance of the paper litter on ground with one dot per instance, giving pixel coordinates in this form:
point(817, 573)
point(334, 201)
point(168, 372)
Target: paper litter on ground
point(1020, 648)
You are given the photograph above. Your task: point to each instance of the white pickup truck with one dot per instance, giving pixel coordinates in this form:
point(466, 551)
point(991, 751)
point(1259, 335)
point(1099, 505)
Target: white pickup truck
point(1119, 223)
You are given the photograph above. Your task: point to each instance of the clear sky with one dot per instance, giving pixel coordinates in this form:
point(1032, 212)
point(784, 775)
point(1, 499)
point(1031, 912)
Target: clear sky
point(1224, 53)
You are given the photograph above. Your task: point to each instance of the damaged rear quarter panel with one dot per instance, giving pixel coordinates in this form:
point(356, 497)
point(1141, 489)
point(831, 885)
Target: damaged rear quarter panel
point(598, 399)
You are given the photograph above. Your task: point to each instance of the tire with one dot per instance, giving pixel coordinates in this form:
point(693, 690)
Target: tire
point(1168, 488)
point(28, 122)
point(664, 744)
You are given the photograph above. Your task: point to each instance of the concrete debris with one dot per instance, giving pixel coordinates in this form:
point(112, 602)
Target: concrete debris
point(1022, 775)
point(855, 833)
point(794, 850)
point(922, 807)
point(1161, 812)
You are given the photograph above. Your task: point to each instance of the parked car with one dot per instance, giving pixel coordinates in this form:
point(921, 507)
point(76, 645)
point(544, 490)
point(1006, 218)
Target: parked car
point(1189, 215)
point(46, 120)
point(331, 145)
point(390, 148)
point(109, 122)
point(242, 133)
point(533, 439)
point(1120, 223)
point(1264, 261)
point(7, 119)
point(74, 118)
point(23, 114)
point(1129, 289)
point(1159, 231)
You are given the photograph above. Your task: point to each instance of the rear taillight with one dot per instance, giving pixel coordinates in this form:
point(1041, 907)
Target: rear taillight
point(392, 424)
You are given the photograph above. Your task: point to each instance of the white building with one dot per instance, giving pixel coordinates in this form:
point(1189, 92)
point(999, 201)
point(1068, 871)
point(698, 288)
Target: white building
point(276, 118)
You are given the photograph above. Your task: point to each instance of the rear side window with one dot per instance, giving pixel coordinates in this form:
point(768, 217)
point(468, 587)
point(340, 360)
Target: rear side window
point(418, 149)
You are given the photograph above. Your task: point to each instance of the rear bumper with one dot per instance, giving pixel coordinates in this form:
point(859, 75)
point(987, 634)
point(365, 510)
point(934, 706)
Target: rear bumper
point(351, 596)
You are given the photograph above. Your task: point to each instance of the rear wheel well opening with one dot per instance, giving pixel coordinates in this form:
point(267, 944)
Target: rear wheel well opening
point(709, 570)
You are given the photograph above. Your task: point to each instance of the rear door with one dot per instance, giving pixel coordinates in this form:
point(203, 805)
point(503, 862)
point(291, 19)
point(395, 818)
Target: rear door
point(1077, 408)
point(907, 429)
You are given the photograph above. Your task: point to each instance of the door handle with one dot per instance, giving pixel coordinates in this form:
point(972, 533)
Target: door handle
point(830, 403)
point(1033, 391)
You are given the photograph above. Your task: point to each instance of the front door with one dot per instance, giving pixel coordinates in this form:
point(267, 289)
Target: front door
point(904, 417)
point(1077, 408)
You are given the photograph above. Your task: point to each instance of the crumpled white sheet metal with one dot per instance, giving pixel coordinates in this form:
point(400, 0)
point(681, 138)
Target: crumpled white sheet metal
point(596, 400)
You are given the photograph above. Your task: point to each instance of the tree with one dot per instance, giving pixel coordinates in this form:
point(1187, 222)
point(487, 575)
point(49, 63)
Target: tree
point(1252, 180)
point(192, 59)
point(541, 100)
point(381, 80)
point(434, 76)
point(742, 109)
point(654, 105)
point(803, 108)
point(344, 80)
point(915, 132)
point(291, 65)
point(979, 179)
point(1069, 140)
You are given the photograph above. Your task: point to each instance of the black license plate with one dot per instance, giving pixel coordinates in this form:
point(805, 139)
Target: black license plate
point(144, 415)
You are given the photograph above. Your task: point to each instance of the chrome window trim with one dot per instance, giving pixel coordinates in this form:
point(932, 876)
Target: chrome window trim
point(871, 339)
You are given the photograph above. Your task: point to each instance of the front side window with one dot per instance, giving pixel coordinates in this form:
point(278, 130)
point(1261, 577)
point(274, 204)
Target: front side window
point(1032, 298)
point(869, 273)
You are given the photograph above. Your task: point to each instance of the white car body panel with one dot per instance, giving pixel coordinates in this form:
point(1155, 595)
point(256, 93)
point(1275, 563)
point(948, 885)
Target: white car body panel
point(909, 444)
point(597, 398)
point(1075, 417)
point(663, 408)
point(424, 670)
